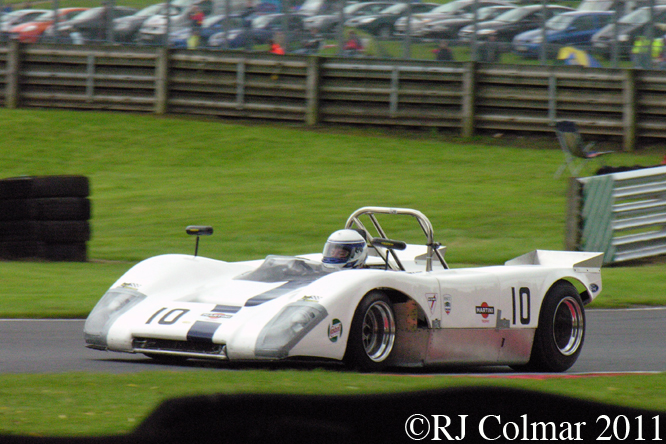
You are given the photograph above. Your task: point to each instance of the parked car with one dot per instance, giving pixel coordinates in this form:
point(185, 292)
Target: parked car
point(126, 29)
point(456, 8)
point(449, 28)
point(262, 31)
point(15, 18)
point(506, 26)
point(211, 26)
point(88, 26)
point(153, 30)
point(629, 27)
point(382, 24)
point(31, 32)
point(567, 29)
point(328, 23)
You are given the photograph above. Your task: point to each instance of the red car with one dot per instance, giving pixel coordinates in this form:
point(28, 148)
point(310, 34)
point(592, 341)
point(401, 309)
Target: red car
point(32, 31)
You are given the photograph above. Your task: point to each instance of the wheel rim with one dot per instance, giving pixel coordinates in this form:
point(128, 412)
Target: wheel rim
point(378, 331)
point(568, 326)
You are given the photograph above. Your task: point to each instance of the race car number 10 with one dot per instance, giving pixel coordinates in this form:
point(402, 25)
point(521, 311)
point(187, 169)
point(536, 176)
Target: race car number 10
point(521, 304)
point(170, 317)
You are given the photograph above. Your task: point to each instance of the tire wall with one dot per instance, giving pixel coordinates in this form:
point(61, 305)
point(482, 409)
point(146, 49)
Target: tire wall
point(45, 218)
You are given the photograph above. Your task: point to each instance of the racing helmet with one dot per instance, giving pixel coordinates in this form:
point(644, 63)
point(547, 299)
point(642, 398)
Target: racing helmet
point(345, 249)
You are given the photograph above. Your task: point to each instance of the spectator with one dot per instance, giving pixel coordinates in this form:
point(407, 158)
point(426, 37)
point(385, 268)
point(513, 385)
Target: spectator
point(313, 43)
point(194, 39)
point(275, 47)
point(489, 50)
point(443, 53)
point(353, 45)
point(196, 18)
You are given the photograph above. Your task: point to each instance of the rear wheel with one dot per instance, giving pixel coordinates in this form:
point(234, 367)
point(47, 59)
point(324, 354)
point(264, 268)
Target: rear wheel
point(559, 337)
point(372, 334)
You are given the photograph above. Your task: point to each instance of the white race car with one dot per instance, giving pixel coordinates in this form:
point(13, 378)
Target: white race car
point(394, 304)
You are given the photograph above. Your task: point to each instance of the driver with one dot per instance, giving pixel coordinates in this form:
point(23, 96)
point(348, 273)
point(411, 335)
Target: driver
point(345, 249)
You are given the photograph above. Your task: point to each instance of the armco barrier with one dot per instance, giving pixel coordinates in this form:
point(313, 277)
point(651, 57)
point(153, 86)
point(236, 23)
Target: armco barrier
point(464, 96)
point(620, 214)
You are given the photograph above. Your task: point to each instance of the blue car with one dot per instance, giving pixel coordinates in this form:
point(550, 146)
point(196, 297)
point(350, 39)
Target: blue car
point(568, 29)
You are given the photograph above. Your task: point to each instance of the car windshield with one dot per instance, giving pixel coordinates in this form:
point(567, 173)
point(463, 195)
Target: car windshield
point(449, 7)
point(350, 9)
point(46, 17)
point(151, 10)
point(395, 9)
point(560, 22)
point(286, 268)
point(515, 15)
point(90, 13)
point(638, 17)
point(487, 13)
point(265, 20)
point(595, 5)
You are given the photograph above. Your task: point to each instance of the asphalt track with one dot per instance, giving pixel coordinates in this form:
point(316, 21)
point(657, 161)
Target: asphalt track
point(629, 340)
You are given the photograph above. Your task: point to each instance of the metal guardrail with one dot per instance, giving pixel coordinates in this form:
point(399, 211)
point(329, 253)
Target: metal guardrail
point(621, 214)
point(464, 96)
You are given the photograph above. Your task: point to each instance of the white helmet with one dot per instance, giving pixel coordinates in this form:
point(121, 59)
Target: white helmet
point(345, 249)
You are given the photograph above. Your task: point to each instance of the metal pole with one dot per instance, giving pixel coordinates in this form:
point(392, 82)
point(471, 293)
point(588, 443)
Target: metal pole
point(168, 24)
point(544, 44)
point(407, 43)
point(341, 28)
point(615, 56)
point(474, 43)
point(56, 35)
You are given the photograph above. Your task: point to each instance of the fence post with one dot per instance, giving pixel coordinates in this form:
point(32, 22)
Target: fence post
point(312, 91)
point(13, 75)
point(629, 110)
point(162, 80)
point(469, 92)
point(574, 222)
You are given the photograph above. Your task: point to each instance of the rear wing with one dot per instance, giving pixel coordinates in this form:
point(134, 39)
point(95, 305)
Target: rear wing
point(591, 261)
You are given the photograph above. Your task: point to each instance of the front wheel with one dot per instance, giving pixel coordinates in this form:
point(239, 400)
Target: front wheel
point(559, 337)
point(372, 334)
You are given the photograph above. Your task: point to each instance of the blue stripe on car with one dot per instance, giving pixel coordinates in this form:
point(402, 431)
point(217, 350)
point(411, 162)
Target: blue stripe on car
point(202, 331)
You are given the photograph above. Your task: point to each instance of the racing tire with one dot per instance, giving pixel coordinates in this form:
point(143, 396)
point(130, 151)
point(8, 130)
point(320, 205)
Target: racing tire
point(372, 334)
point(561, 332)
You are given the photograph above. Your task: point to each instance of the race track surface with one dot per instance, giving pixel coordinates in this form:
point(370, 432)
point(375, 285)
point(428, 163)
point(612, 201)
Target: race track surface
point(629, 340)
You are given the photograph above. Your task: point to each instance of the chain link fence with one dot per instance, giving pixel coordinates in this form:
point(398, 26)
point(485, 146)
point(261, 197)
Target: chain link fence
point(611, 33)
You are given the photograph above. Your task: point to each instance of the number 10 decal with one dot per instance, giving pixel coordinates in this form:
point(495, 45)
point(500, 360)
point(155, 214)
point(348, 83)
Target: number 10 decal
point(524, 303)
point(170, 317)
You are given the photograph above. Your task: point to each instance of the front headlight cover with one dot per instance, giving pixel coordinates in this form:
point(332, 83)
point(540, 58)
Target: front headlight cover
point(287, 328)
point(112, 305)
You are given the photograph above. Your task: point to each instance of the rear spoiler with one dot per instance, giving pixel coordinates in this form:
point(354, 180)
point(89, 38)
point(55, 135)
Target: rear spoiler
point(565, 259)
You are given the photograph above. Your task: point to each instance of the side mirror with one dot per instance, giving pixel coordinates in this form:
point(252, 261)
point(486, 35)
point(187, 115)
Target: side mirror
point(198, 230)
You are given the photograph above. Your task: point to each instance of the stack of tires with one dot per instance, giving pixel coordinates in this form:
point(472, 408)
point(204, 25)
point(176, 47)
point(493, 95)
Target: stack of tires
point(44, 217)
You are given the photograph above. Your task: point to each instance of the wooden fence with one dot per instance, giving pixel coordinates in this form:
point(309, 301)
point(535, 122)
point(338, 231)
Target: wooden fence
point(470, 97)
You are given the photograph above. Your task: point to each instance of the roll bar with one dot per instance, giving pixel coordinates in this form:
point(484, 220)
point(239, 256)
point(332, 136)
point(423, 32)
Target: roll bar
point(423, 221)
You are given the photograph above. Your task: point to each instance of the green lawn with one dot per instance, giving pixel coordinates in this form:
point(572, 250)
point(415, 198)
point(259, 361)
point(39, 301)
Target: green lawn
point(275, 189)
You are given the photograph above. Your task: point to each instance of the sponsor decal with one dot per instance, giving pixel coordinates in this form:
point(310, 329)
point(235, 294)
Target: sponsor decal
point(594, 288)
point(335, 330)
point(130, 285)
point(485, 310)
point(216, 315)
point(311, 298)
point(447, 304)
point(432, 301)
